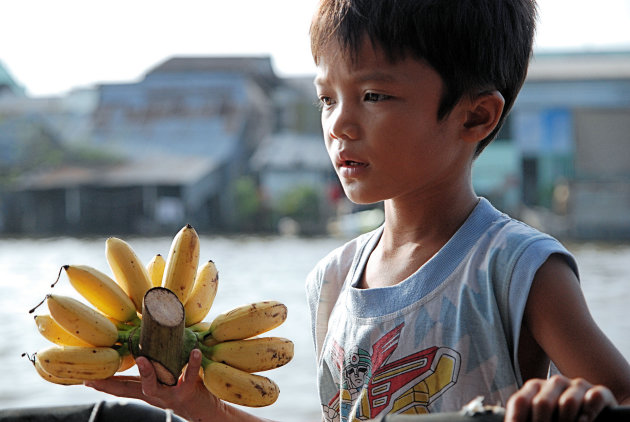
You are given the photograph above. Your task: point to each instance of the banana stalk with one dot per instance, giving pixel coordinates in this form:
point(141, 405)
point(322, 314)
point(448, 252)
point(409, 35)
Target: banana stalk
point(102, 292)
point(55, 333)
point(82, 321)
point(245, 321)
point(202, 295)
point(238, 387)
point(155, 268)
point(252, 355)
point(128, 271)
point(80, 363)
point(181, 265)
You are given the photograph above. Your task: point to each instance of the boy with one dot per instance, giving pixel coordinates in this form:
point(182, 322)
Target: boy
point(449, 299)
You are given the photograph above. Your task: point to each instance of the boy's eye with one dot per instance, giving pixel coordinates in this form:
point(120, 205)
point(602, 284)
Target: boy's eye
point(325, 101)
point(374, 97)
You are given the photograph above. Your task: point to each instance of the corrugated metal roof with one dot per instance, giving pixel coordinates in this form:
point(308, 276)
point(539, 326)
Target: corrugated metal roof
point(7, 80)
point(568, 66)
point(291, 151)
point(156, 170)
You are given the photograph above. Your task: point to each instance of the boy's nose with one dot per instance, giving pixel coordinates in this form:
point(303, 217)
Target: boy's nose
point(342, 124)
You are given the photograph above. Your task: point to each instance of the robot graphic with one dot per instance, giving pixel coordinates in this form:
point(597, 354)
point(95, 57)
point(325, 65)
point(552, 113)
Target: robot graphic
point(371, 386)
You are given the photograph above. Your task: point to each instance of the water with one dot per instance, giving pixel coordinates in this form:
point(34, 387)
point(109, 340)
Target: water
point(251, 269)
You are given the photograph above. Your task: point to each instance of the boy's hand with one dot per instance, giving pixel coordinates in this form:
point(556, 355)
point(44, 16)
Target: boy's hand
point(558, 399)
point(187, 397)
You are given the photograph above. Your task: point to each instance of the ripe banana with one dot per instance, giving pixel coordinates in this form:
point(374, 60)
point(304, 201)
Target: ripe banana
point(246, 321)
point(80, 363)
point(181, 265)
point(54, 332)
point(129, 272)
point(238, 387)
point(155, 268)
point(252, 355)
point(202, 295)
point(200, 327)
point(82, 321)
point(102, 292)
point(51, 378)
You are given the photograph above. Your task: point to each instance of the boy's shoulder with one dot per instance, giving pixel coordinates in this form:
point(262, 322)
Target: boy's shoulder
point(338, 262)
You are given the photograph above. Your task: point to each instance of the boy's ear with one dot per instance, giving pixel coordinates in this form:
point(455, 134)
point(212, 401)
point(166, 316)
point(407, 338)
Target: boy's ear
point(482, 116)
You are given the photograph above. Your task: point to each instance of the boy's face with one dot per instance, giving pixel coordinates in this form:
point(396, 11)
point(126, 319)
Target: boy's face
point(380, 126)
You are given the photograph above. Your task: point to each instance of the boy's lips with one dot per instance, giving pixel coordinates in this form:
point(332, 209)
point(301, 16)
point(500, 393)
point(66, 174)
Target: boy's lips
point(350, 167)
point(344, 160)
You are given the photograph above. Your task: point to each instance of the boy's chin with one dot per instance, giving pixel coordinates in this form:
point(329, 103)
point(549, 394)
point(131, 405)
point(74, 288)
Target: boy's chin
point(360, 199)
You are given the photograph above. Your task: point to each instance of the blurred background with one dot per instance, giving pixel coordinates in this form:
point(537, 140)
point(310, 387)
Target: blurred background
point(135, 118)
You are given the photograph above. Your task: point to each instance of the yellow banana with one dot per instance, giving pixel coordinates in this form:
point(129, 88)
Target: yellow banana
point(54, 332)
point(246, 321)
point(51, 378)
point(102, 292)
point(252, 355)
point(200, 326)
point(82, 321)
point(129, 272)
point(181, 265)
point(81, 363)
point(155, 268)
point(202, 295)
point(238, 387)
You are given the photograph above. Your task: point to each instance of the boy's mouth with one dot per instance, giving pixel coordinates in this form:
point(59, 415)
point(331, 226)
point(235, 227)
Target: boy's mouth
point(351, 163)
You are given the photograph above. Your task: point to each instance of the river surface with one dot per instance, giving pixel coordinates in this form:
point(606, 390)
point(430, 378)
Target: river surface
point(250, 269)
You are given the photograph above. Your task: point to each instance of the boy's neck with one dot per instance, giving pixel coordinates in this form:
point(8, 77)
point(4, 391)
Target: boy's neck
point(413, 234)
point(427, 220)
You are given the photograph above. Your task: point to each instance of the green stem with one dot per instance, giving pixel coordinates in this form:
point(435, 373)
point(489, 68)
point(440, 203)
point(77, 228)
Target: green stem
point(205, 350)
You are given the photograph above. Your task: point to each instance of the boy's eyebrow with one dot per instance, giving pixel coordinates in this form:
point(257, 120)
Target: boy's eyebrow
point(375, 76)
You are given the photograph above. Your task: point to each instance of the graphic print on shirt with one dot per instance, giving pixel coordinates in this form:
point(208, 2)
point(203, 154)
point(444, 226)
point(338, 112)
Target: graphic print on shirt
point(372, 386)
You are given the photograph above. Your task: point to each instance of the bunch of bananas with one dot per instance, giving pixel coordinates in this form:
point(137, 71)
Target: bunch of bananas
point(95, 343)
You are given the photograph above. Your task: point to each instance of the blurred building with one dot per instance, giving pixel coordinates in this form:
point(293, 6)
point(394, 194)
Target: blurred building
point(8, 85)
point(170, 148)
point(183, 134)
point(571, 129)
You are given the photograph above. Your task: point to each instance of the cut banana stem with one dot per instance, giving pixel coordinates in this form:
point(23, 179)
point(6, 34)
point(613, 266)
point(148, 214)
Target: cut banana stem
point(102, 292)
point(238, 387)
point(128, 270)
point(155, 268)
point(81, 363)
point(203, 293)
point(162, 334)
point(252, 355)
point(82, 321)
point(181, 264)
point(55, 333)
point(246, 321)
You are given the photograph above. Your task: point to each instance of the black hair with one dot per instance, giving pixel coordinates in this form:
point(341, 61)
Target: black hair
point(475, 45)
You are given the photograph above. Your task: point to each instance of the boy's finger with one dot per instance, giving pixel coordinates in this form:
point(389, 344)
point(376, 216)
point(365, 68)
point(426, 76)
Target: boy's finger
point(192, 368)
point(595, 400)
point(571, 401)
point(191, 372)
point(147, 376)
point(546, 401)
point(518, 407)
point(130, 388)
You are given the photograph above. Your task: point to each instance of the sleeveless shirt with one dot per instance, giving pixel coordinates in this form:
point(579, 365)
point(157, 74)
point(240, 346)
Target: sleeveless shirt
point(436, 340)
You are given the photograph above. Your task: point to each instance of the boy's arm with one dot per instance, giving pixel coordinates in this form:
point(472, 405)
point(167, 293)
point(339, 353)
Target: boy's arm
point(189, 399)
point(557, 317)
